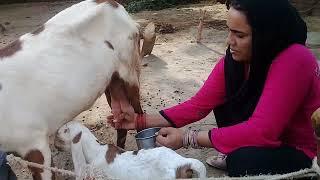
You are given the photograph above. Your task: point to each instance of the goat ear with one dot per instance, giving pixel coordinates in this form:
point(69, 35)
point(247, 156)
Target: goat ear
point(149, 38)
point(76, 139)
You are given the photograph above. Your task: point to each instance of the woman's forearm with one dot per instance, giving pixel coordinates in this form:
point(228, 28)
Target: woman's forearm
point(156, 120)
point(203, 139)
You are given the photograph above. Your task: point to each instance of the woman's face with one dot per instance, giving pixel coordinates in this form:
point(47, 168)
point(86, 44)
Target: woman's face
point(240, 36)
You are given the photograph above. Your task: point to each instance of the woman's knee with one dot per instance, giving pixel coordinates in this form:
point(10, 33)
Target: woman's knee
point(239, 162)
point(262, 160)
point(4, 171)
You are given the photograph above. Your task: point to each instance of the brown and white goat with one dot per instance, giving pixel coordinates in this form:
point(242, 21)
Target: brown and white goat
point(114, 162)
point(50, 76)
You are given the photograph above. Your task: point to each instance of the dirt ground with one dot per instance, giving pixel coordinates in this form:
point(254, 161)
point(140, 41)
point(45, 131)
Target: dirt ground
point(174, 72)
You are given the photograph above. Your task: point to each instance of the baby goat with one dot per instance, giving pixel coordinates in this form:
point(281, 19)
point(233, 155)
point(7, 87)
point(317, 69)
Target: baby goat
point(157, 163)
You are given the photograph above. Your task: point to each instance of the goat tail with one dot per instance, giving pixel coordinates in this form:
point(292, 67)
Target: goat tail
point(199, 168)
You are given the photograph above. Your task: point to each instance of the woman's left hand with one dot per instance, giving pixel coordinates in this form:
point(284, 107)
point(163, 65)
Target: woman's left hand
point(170, 137)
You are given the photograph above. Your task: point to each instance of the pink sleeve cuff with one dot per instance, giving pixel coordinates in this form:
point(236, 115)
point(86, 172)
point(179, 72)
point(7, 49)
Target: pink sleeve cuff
point(162, 113)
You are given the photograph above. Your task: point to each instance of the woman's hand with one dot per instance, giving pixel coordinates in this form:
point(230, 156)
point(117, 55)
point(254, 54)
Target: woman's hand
point(170, 137)
point(123, 121)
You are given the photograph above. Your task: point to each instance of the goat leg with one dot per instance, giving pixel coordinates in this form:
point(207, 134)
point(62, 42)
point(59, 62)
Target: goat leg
point(121, 137)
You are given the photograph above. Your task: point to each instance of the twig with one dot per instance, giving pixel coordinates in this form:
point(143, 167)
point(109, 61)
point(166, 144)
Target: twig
point(200, 26)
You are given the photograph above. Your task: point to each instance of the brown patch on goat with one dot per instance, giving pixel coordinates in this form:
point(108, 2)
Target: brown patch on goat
point(11, 49)
point(184, 171)
point(76, 139)
point(132, 93)
point(109, 45)
point(113, 3)
point(39, 30)
point(112, 153)
point(37, 157)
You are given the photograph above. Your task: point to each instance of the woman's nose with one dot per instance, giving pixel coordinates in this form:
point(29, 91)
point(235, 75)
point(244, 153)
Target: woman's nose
point(230, 39)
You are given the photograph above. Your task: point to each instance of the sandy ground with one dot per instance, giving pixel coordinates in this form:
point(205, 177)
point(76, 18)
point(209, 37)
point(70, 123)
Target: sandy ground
point(174, 72)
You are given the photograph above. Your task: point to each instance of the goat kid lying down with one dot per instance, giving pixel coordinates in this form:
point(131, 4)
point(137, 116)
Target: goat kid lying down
point(157, 163)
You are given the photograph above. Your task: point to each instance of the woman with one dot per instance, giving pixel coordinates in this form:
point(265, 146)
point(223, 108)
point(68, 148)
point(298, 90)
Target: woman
point(262, 92)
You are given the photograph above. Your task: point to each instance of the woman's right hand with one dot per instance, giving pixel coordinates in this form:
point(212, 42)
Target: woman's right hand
point(170, 137)
point(123, 121)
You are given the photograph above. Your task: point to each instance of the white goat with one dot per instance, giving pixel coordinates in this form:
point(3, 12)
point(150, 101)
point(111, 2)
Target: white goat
point(157, 163)
point(53, 74)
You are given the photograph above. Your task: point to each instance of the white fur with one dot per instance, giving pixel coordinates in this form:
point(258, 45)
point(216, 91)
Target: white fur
point(61, 72)
point(157, 163)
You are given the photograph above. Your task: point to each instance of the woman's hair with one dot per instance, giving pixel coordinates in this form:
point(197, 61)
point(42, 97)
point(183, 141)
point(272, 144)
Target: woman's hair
point(275, 26)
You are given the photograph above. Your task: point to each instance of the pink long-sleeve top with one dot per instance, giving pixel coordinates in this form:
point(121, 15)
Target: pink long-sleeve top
point(282, 116)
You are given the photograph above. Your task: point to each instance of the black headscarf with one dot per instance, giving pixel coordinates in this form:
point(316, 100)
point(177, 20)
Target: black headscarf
point(275, 25)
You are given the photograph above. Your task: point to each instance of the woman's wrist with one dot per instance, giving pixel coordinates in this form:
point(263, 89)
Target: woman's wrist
point(156, 120)
point(190, 139)
point(204, 139)
point(195, 139)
